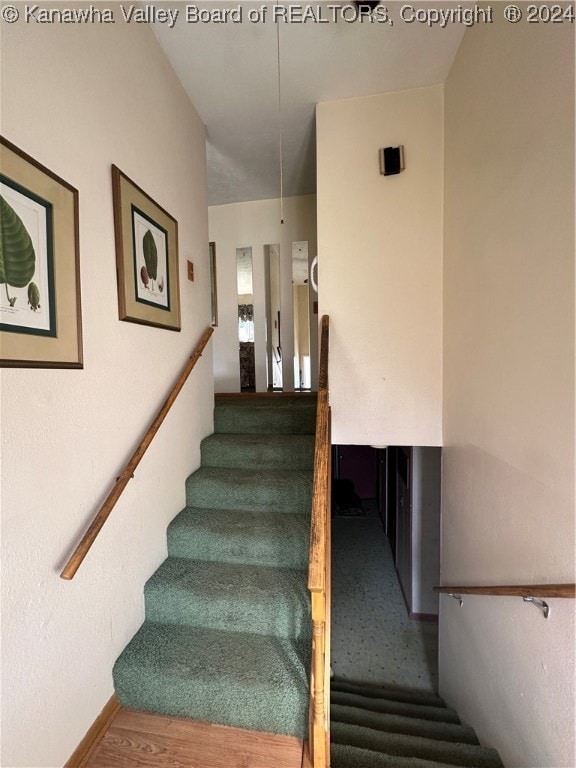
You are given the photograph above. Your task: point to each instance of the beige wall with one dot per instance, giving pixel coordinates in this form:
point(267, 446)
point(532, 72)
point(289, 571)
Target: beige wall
point(78, 98)
point(256, 224)
point(508, 479)
point(380, 266)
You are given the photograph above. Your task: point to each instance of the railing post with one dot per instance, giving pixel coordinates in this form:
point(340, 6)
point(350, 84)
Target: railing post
point(319, 573)
point(328, 591)
point(319, 712)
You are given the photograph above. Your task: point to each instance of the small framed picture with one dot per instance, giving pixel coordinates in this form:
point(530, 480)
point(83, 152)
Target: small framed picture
point(40, 312)
point(146, 257)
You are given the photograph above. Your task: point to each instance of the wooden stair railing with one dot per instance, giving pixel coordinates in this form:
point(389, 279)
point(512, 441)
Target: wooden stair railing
point(530, 593)
point(515, 590)
point(319, 574)
point(95, 527)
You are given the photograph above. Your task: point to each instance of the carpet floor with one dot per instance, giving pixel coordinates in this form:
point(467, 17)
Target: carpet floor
point(389, 727)
point(384, 710)
point(373, 639)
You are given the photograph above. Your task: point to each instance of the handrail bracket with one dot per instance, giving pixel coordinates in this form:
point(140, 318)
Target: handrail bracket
point(456, 597)
point(542, 605)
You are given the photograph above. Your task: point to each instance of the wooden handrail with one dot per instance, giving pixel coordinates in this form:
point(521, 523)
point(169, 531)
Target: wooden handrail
point(319, 570)
point(515, 590)
point(102, 515)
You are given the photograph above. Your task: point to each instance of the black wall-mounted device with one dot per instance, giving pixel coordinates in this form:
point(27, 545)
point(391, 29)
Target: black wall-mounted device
point(391, 160)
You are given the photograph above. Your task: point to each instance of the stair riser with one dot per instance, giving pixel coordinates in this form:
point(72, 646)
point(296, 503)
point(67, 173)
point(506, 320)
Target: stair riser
point(409, 726)
point(345, 756)
point(291, 495)
point(412, 697)
point(412, 746)
point(295, 455)
point(286, 616)
point(401, 708)
point(248, 681)
point(259, 421)
point(281, 541)
point(252, 708)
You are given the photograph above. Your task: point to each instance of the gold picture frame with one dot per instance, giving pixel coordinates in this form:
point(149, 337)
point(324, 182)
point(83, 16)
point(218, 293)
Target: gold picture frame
point(147, 264)
point(40, 308)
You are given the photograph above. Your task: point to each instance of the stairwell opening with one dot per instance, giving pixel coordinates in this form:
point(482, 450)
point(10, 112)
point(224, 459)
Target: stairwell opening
point(385, 561)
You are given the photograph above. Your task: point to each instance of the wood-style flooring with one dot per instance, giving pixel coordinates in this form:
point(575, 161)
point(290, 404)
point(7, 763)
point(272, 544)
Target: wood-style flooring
point(140, 740)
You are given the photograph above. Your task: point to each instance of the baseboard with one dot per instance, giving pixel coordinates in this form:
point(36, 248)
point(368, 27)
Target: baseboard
point(93, 735)
point(424, 616)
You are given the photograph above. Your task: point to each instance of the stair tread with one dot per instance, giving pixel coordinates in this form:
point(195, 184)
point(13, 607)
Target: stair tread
point(219, 488)
point(232, 678)
point(261, 450)
point(455, 753)
point(369, 690)
point(417, 726)
point(253, 474)
point(259, 537)
point(249, 598)
point(267, 415)
point(392, 706)
point(347, 756)
point(283, 401)
point(246, 439)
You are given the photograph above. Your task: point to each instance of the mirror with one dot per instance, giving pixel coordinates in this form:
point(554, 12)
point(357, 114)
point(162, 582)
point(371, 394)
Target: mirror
point(245, 319)
point(213, 287)
point(301, 300)
point(273, 329)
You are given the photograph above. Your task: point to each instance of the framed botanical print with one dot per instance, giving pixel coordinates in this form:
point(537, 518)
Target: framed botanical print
point(40, 310)
point(146, 257)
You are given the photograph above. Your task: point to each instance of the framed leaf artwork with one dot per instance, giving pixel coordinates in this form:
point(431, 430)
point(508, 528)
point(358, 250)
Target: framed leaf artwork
point(146, 257)
point(40, 312)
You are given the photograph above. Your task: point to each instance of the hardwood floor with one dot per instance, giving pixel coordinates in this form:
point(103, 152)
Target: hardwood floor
point(140, 740)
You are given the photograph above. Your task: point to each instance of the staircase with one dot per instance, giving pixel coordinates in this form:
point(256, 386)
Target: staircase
point(227, 631)
point(373, 727)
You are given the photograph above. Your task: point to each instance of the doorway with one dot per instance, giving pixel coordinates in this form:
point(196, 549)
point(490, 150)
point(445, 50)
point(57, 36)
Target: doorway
point(386, 505)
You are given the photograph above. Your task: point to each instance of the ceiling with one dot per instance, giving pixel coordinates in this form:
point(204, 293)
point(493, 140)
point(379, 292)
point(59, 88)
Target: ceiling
point(230, 73)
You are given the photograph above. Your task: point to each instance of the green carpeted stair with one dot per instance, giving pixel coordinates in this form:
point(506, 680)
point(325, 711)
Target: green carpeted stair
point(284, 416)
point(226, 638)
point(374, 727)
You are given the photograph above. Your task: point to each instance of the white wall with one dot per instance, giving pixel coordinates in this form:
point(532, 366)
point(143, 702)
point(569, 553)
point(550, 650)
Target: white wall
point(508, 460)
point(256, 224)
point(380, 266)
point(78, 98)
